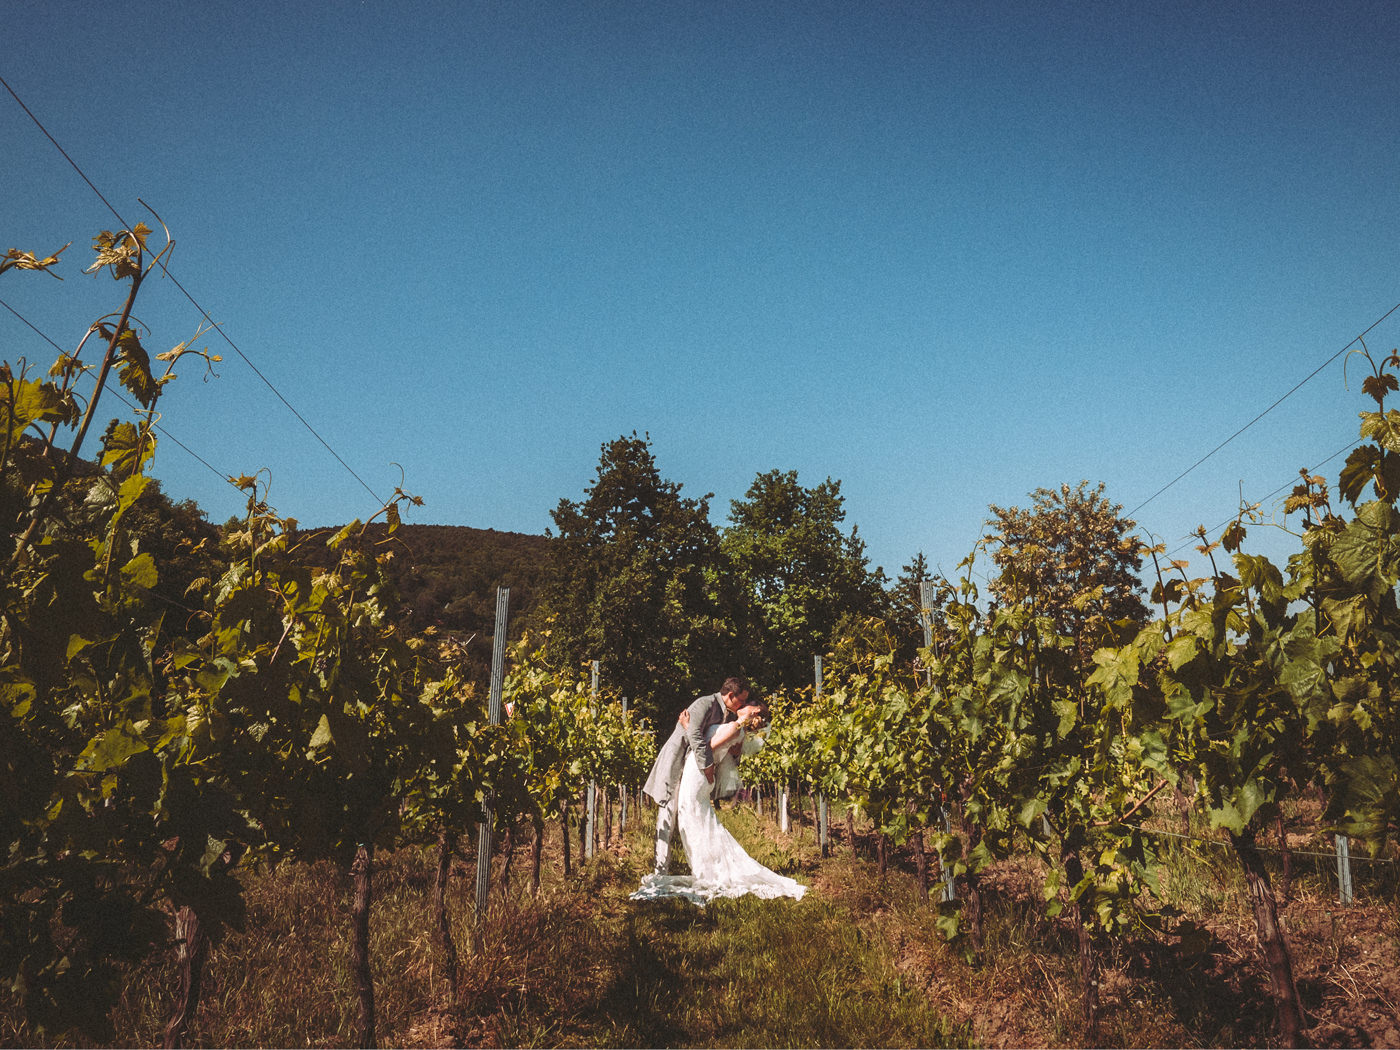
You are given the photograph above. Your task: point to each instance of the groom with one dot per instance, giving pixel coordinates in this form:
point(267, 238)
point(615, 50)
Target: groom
point(688, 738)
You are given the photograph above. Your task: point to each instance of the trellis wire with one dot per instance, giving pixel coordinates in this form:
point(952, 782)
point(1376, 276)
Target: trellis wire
point(1264, 849)
point(1346, 893)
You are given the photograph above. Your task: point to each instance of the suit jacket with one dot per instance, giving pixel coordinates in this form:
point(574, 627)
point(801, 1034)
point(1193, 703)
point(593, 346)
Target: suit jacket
point(705, 712)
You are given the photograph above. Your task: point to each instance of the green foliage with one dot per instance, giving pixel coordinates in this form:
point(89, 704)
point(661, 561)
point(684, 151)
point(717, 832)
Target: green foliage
point(1072, 556)
point(1348, 572)
point(1005, 724)
point(172, 704)
point(563, 737)
point(320, 701)
point(108, 817)
point(801, 575)
point(1273, 679)
point(637, 584)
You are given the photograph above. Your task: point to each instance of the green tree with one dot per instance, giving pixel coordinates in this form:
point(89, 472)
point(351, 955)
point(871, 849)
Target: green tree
point(802, 575)
point(904, 596)
point(1073, 556)
point(636, 584)
point(906, 615)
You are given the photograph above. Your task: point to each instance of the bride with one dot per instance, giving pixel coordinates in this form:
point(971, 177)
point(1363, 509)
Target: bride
point(719, 866)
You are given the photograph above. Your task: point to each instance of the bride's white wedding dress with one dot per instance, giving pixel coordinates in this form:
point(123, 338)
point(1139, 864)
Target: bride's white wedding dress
point(719, 866)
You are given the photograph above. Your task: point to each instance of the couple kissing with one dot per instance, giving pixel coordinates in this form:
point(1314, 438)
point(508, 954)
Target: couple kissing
point(699, 763)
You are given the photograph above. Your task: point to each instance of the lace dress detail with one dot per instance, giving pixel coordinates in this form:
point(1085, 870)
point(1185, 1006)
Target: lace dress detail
point(719, 866)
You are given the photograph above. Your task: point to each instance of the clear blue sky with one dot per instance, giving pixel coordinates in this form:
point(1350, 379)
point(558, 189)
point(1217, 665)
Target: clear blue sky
point(945, 253)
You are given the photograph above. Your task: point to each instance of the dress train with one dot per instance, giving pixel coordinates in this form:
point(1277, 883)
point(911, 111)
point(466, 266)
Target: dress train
point(719, 866)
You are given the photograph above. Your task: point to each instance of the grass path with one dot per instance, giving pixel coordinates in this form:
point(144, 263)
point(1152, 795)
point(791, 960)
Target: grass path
point(743, 972)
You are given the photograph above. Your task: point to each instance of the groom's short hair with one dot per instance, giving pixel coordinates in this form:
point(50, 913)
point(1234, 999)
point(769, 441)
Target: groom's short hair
point(734, 685)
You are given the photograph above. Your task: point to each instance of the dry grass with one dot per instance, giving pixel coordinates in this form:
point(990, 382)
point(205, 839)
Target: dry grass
point(858, 962)
point(285, 981)
point(1154, 990)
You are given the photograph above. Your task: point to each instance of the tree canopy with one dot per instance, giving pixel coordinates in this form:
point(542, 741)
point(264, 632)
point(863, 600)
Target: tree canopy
point(801, 574)
point(1072, 555)
point(637, 584)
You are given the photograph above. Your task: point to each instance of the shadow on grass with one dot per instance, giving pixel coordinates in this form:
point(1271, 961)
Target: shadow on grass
point(1219, 1000)
point(659, 968)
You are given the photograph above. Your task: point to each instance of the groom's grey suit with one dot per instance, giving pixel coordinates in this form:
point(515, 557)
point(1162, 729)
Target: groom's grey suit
point(665, 778)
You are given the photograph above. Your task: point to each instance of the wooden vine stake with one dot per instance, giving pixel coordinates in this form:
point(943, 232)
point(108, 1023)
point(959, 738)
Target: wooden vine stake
point(622, 789)
point(498, 662)
point(591, 831)
point(821, 798)
point(1344, 888)
point(926, 599)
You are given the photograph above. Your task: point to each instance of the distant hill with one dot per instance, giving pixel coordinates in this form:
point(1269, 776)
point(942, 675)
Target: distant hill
point(447, 576)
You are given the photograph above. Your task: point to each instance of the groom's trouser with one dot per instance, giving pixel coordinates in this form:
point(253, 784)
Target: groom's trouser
point(665, 828)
